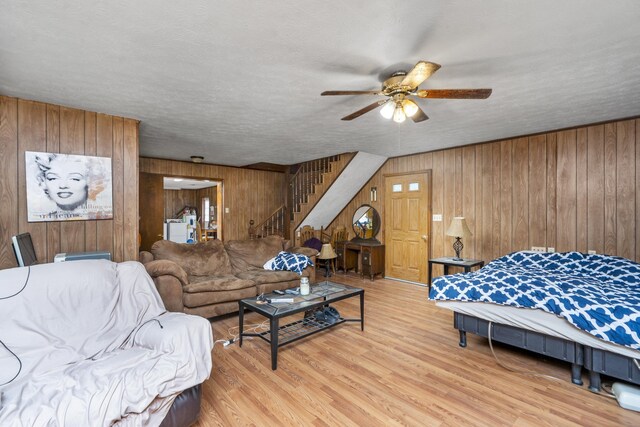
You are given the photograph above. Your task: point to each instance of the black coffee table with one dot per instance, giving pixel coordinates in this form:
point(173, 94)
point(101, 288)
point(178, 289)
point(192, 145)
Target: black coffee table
point(322, 294)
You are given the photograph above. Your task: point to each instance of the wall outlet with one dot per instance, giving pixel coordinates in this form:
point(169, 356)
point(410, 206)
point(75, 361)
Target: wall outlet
point(226, 210)
point(538, 249)
point(591, 252)
point(551, 249)
point(437, 218)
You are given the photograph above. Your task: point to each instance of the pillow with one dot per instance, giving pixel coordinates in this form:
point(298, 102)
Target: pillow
point(291, 262)
point(313, 243)
point(270, 264)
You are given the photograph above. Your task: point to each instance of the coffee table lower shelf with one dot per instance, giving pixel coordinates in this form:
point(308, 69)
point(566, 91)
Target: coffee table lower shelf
point(292, 332)
point(299, 329)
point(280, 335)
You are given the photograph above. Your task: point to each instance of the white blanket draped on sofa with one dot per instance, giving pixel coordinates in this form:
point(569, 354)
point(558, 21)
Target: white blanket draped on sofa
point(93, 345)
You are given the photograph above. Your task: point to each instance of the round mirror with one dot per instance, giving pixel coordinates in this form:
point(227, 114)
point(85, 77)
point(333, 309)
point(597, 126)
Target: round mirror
point(366, 222)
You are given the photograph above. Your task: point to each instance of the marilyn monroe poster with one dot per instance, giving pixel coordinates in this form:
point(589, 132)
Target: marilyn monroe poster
point(63, 187)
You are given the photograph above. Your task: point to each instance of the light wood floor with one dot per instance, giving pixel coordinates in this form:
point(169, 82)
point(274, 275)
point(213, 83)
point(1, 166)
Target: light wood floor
point(406, 368)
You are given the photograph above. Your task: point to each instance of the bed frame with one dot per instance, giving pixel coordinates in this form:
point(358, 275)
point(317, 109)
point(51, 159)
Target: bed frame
point(596, 361)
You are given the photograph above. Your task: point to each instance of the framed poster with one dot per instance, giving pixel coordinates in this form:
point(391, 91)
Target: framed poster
point(66, 187)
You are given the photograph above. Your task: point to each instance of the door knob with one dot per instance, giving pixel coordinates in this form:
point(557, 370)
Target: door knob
point(424, 237)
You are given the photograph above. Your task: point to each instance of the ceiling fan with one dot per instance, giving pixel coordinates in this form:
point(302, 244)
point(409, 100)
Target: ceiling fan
point(400, 86)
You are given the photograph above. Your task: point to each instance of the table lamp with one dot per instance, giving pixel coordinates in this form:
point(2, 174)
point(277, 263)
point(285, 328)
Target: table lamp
point(458, 229)
point(327, 253)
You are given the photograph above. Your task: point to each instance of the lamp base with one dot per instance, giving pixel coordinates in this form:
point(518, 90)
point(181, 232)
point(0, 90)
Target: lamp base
point(457, 246)
point(327, 266)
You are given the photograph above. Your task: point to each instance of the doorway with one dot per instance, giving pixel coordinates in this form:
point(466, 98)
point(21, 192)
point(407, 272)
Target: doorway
point(175, 199)
point(407, 233)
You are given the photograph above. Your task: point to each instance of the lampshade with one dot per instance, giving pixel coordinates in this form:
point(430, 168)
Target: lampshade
point(327, 252)
point(398, 114)
point(459, 228)
point(388, 109)
point(409, 107)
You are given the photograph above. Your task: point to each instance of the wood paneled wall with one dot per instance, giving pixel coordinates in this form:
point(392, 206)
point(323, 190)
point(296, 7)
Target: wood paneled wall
point(36, 126)
point(247, 193)
point(575, 189)
point(175, 200)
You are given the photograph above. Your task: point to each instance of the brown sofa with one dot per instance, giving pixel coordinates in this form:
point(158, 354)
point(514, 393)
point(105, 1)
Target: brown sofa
point(209, 278)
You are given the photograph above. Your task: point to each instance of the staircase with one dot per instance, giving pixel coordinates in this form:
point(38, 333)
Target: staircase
point(311, 182)
point(307, 184)
point(318, 191)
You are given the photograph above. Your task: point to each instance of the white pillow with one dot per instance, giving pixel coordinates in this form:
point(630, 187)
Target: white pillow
point(270, 265)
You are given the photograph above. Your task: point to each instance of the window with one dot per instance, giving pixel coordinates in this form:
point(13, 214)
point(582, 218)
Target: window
point(414, 186)
point(397, 188)
point(205, 210)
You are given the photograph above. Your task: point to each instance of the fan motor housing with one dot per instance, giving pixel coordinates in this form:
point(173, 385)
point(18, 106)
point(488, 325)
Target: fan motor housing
point(392, 86)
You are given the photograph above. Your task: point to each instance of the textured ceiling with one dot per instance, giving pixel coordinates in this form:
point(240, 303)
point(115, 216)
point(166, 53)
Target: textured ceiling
point(186, 183)
point(239, 82)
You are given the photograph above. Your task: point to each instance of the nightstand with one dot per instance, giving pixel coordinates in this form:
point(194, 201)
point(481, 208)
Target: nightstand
point(447, 262)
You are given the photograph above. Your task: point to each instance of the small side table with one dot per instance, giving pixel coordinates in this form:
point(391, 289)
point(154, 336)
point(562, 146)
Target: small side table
point(447, 262)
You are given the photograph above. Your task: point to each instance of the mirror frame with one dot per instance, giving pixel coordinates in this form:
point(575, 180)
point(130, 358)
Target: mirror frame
point(375, 221)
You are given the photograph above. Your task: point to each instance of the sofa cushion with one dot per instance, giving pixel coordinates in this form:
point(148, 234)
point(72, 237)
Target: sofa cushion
point(267, 276)
point(199, 259)
point(270, 287)
point(207, 298)
point(216, 283)
point(245, 254)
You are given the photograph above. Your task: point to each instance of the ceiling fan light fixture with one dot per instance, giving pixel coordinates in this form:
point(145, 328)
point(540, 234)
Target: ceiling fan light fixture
point(410, 108)
point(388, 109)
point(398, 115)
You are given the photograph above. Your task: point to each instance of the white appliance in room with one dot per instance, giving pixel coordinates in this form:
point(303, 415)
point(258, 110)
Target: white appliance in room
point(176, 231)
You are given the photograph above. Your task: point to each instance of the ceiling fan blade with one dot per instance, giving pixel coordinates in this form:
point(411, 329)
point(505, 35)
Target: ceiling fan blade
point(454, 93)
point(350, 92)
point(364, 110)
point(419, 116)
point(421, 72)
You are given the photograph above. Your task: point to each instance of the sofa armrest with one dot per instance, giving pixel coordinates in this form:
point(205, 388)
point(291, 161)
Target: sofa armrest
point(303, 250)
point(162, 267)
point(312, 270)
point(145, 257)
point(311, 253)
point(169, 279)
point(181, 337)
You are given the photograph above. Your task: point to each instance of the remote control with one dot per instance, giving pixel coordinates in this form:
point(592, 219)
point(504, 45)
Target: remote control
point(279, 292)
point(279, 300)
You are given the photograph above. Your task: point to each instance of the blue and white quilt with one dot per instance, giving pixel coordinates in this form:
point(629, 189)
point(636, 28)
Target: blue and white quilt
point(599, 294)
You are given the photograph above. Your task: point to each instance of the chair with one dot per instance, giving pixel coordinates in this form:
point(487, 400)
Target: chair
point(201, 235)
point(339, 233)
point(306, 233)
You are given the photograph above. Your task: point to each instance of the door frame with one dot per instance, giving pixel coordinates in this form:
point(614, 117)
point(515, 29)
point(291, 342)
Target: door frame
point(220, 196)
point(428, 176)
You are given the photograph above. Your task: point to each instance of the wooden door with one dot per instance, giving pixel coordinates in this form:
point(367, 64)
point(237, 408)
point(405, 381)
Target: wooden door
point(151, 209)
point(407, 212)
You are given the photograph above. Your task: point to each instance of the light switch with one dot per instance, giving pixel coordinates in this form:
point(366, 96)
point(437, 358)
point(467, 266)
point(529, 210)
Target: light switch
point(226, 210)
point(437, 217)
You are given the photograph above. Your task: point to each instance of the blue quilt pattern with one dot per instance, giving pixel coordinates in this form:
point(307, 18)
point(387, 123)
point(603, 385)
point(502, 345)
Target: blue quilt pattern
point(291, 262)
point(599, 294)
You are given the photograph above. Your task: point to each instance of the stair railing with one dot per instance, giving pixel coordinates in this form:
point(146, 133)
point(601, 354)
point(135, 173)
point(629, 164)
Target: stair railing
point(303, 182)
point(274, 224)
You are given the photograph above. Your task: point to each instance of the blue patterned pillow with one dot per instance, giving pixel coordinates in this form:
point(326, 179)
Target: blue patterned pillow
point(291, 262)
